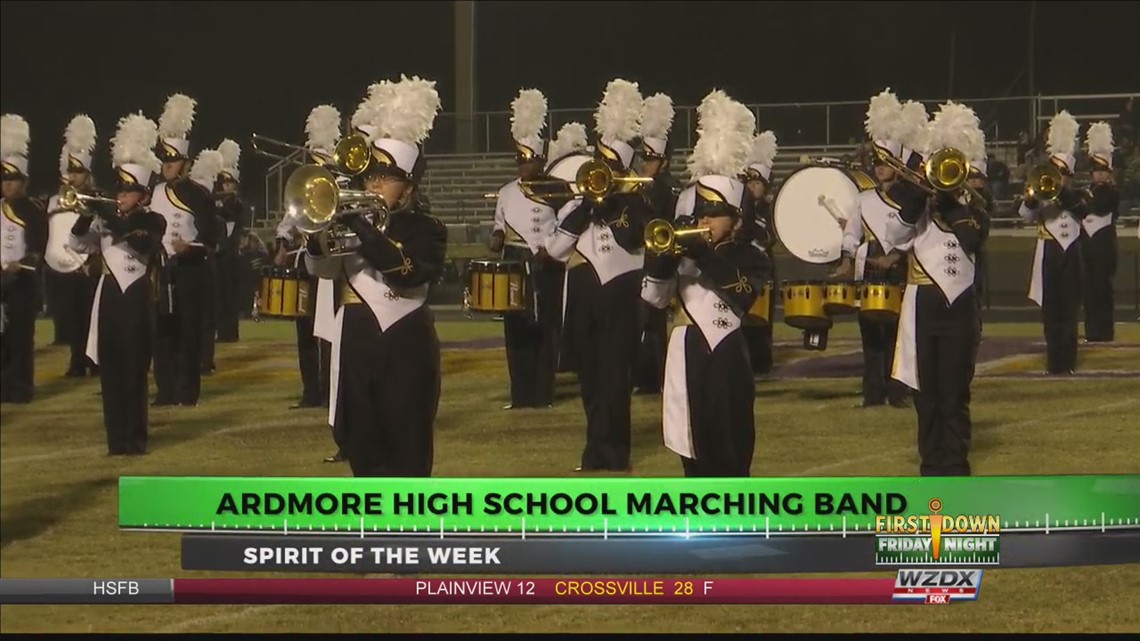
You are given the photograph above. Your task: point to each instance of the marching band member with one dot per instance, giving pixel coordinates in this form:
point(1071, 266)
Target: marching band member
point(1100, 248)
point(874, 256)
point(24, 227)
point(571, 141)
point(610, 236)
point(129, 237)
point(521, 224)
point(204, 172)
point(709, 389)
point(656, 120)
point(232, 211)
point(938, 327)
point(759, 230)
point(190, 229)
point(73, 291)
point(978, 182)
point(386, 383)
point(1055, 284)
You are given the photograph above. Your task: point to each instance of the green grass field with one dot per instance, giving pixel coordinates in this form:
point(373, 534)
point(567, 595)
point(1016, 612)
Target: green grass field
point(58, 505)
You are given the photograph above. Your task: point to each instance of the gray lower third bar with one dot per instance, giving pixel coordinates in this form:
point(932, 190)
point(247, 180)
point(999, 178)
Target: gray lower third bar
point(85, 591)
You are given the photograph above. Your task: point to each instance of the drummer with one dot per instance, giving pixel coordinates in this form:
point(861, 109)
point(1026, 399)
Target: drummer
point(869, 257)
point(521, 225)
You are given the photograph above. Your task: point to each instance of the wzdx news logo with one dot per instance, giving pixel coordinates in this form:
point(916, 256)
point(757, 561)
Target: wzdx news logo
point(937, 586)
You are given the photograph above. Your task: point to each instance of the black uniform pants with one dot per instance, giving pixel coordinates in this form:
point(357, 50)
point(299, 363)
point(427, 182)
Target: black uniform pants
point(178, 353)
point(313, 356)
point(650, 374)
point(209, 315)
point(227, 286)
point(579, 281)
point(1061, 300)
point(605, 326)
point(124, 362)
point(71, 296)
point(388, 393)
point(1100, 254)
point(878, 358)
point(59, 289)
point(18, 342)
point(946, 343)
point(532, 339)
point(721, 394)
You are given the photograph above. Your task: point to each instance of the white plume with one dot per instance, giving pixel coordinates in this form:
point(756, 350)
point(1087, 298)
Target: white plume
point(914, 125)
point(571, 138)
point(618, 115)
point(177, 117)
point(656, 116)
point(206, 167)
point(1099, 139)
point(369, 109)
point(409, 113)
point(231, 154)
point(763, 150)
point(528, 114)
point(323, 127)
point(14, 136)
point(79, 137)
point(883, 116)
point(956, 125)
point(134, 142)
point(724, 136)
point(1062, 138)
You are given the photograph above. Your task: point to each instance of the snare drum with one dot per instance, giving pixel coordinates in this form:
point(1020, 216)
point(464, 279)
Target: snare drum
point(284, 293)
point(759, 314)
point(803, 305)
point(496, 286)
point(880, 301)
point(841, 298)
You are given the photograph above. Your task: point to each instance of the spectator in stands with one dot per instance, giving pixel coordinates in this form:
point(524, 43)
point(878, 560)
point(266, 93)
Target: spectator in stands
point(1024, 147)
point(253, 256)
point(998, 178)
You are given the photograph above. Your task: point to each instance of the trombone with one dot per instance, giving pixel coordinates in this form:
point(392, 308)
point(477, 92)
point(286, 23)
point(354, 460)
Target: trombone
point(661, 237)
point(945, 171)
point(71, 200)
point(313, 197)
point(594, 180)
point(351, 156)
point(1044, 183)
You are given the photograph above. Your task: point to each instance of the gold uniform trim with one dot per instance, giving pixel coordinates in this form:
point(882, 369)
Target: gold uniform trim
point(576, 260)
point(348, 295)
point(176, 201)
point(915, 273)
point(405, 267)
point(10, 214)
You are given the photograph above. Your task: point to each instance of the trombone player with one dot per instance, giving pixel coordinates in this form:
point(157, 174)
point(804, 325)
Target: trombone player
point(385, 381)
point(1057, 209)
point(606, 224)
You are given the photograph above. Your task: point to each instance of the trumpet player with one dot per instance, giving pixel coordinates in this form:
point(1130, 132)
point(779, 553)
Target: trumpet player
point(1055, 283)
point(521, 224)
point(939, 325)
point(386, 360)
point(707, 413)
point(609, 234)
point(191, 225)
point(129, 237)
point(232, 211)
point(1100, 248)
point(71, 292)
point(24, 227)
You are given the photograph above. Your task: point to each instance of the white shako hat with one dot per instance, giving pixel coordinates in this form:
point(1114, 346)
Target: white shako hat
point(132, 152)
point(617, 123)
point(78, 144)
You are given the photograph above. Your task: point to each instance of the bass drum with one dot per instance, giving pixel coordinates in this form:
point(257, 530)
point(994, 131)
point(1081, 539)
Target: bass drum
point(808, 207)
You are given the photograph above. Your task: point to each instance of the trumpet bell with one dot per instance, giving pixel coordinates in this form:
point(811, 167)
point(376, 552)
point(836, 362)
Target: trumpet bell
point(312, 196)
point(947, 169)
point(661, 237)
point(595, 179)
point(352, 155)
point(1044, 182)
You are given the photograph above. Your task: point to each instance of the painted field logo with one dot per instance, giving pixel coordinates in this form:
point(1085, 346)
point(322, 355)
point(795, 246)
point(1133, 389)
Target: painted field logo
point(937, 539)
point(936, 587)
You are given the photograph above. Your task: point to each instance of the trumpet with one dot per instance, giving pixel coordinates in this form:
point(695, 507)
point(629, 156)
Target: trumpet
point(313, 197)
point(661, 237)
point(351, 157)
point(71, 200)
point(945, 171)
point(1043, 183)
point(594, 180)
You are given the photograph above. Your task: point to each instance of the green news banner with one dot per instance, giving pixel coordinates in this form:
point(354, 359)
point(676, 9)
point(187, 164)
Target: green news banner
point(623, 505)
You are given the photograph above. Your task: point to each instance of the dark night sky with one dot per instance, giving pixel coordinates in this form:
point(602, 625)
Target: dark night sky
point(260, 66)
